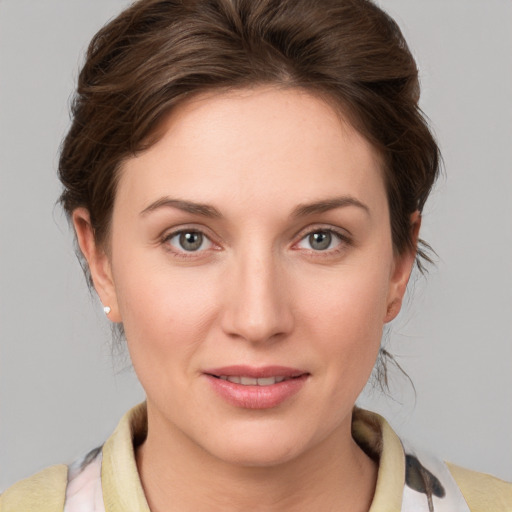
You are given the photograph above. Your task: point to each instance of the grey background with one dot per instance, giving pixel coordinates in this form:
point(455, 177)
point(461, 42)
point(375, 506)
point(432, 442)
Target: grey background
point(61, 392)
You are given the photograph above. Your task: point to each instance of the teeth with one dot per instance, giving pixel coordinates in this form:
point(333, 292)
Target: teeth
point(266, 381)
point(251, 381)
point(248, 381)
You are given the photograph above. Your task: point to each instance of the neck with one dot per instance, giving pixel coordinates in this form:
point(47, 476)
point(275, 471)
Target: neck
point(178, 475)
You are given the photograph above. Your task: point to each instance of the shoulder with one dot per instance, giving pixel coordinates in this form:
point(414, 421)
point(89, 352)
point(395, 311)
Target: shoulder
point(482, 492)
point(45, 492)
point(413, 479)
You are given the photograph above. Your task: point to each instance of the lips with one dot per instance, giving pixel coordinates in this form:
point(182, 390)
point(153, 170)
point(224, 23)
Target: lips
point(255, 372)
point(253, 381)
point(256, 388)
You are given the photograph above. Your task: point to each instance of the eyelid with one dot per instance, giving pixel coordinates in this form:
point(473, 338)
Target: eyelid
point(205, 240)
point(342, 234)
point(192, 228)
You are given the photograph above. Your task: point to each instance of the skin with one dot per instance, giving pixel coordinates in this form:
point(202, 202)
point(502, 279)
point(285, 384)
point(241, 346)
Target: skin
point(257, 292)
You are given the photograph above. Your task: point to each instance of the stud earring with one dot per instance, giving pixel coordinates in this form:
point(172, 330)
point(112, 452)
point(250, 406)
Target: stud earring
point(106, 309)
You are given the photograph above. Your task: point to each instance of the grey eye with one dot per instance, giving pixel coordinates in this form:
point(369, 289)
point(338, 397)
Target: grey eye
point(189, 241)
point(320, 240)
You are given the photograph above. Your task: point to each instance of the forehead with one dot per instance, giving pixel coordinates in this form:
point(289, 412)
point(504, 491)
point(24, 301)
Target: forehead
point(255, 143)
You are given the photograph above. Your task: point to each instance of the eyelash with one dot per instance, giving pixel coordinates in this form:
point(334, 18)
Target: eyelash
point(182, 253)
point(344, 241)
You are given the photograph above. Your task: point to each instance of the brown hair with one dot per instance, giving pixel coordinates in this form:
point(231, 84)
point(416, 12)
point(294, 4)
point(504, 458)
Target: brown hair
point(157, 53)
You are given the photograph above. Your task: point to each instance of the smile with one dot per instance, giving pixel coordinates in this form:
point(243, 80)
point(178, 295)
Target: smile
point(249, 387)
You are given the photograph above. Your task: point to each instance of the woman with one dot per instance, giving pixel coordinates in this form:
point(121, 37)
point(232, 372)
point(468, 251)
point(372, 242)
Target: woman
point(246, 181)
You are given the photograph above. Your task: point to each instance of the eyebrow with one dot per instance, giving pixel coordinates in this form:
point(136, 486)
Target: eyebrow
point(204, 210)
point(303, 210)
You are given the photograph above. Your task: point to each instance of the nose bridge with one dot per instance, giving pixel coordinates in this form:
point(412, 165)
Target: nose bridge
point(258, 309)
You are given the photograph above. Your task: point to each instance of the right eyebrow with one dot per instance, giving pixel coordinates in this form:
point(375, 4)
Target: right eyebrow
point(325, 205)
point(205, 210)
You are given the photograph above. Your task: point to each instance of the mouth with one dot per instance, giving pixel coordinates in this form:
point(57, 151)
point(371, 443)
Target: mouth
point(250, 387)
point(253, 381)
point(255, 376)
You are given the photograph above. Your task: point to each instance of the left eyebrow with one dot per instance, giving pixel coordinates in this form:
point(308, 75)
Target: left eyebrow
point(204, 210)
point(302, 210)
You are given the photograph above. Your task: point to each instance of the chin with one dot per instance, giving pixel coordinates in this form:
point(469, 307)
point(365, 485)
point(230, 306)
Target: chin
point(248, 448)
point(258, 456)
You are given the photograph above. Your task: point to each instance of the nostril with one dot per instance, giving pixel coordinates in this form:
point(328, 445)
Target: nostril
point(256, 309)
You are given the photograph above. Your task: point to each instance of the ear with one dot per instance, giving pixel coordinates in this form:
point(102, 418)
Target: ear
point(402, 269)
point(98, 262)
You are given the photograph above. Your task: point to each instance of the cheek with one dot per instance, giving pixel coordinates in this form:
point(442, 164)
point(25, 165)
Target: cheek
point(166, 315)
point(346, 320)
point(350, 303)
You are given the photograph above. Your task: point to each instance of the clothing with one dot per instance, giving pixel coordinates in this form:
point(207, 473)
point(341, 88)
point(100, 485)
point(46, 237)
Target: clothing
point(106, 480)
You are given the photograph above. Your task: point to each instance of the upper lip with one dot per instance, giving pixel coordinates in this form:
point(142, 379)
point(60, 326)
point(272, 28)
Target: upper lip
point(255, 372)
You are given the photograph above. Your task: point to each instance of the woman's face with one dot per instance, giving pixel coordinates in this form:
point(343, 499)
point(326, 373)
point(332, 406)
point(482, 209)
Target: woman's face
point(252, 243)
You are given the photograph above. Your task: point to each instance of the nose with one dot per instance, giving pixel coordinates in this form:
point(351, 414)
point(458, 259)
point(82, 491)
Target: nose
point(258, 308)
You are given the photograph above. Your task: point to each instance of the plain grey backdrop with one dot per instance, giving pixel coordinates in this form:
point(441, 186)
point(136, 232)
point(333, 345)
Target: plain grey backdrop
point(62, 393)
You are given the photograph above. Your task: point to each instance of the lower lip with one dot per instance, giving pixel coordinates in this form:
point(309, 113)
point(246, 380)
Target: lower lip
point(257, 397)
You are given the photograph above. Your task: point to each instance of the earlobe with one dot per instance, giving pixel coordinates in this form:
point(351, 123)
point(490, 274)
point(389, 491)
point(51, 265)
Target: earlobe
point(402, 269)
point(98, 262)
